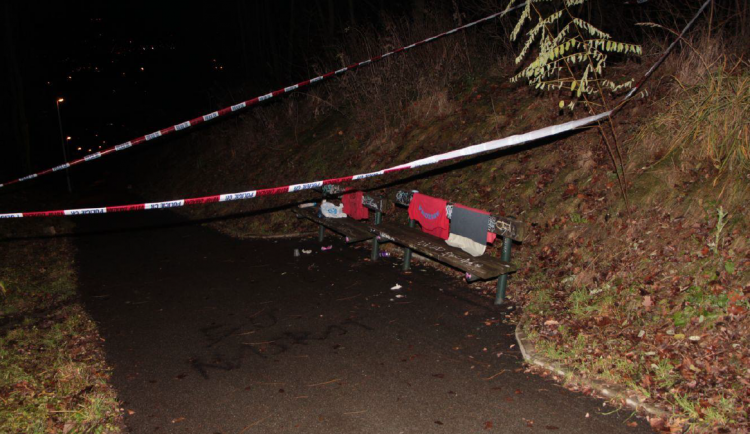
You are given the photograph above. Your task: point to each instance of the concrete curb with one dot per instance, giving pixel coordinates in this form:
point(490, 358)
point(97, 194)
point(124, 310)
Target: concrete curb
point(621, 394)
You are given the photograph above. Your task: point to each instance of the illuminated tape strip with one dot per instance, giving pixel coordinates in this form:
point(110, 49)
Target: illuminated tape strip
point(459, 153)
point(251, 102)
point(86, 211)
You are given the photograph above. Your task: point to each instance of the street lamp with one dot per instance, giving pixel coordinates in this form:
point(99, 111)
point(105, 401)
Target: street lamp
point(62, 142)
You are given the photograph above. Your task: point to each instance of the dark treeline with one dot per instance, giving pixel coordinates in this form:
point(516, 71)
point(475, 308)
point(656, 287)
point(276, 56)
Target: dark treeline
point(125, 68)
point(91, 53)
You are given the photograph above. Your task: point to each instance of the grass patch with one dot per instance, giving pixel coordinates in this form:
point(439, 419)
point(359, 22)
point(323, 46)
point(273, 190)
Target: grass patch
point(52, 372)
point(540, 301)
point(709, 121)
point(705, 306)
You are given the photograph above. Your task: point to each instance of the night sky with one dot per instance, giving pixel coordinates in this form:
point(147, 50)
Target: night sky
point(128, 68)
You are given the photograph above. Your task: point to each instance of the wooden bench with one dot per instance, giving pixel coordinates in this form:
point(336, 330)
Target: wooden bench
point(352, 230)
point(484, 267)
point(411, 239)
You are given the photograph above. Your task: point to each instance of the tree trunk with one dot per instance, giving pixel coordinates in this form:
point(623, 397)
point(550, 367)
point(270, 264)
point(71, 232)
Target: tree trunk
point(244, 55)
point(331, 18)
point(273, 46)
point(19, 120)
point(290, 54)
point(352, 19)
point(418, 14)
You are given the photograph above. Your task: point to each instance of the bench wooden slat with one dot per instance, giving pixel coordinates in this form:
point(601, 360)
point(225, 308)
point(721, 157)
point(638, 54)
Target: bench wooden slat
point(353, 230)
point(484, 267)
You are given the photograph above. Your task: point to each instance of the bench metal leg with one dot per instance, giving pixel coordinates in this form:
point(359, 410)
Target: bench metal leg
point(375, 246)
point(502, 282)
point(407, 251)
point(321, 233)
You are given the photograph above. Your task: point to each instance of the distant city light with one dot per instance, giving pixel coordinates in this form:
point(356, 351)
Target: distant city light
point(79, 148)
point(60, 99)
point(68, 138)
point(142, 68)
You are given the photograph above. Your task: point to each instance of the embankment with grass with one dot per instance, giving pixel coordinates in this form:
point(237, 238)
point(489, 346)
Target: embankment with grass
point(53, 377)
point(642, 280)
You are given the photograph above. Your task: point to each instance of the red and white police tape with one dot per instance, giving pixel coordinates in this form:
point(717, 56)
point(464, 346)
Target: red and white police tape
point(465, 152)
point(459, 153)
point(251, 102)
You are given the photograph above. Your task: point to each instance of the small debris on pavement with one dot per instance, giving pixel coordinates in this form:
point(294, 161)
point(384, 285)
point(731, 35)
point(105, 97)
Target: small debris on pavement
point(396, 288)
point(324, 248)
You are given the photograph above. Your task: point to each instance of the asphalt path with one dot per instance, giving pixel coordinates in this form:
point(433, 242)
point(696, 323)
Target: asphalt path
point(210, 334)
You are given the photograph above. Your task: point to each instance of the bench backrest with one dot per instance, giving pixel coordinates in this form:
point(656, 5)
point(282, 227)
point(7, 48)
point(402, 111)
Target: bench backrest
point(503, 226)
point(373, 203)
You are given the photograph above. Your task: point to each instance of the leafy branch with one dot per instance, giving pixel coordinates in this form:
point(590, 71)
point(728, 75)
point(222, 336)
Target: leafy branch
point(571, 54)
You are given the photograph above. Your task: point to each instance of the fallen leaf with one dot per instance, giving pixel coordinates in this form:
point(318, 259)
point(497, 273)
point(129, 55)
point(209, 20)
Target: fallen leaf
point(656, 423)
point(647, 302)
point(488, 424)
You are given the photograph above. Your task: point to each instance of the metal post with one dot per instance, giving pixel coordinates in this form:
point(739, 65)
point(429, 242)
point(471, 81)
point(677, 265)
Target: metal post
point(62, 141)
point(321, 233)
point(502, 281)
point(407, 251)
point(375, 246)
